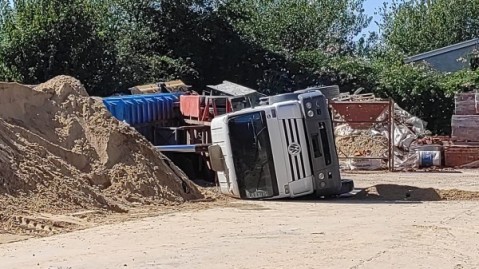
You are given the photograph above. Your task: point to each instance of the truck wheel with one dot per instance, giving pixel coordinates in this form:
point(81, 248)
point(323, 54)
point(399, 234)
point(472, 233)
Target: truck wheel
point(347, 185)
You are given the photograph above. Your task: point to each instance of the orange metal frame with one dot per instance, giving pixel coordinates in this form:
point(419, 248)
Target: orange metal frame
point(210, 102)
point(364, 115)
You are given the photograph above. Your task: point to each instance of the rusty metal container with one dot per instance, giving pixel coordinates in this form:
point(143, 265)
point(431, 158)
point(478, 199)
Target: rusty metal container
point(362, 115)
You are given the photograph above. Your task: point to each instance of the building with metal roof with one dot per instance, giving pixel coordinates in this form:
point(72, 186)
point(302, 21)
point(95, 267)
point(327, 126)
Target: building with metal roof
point(449, 59)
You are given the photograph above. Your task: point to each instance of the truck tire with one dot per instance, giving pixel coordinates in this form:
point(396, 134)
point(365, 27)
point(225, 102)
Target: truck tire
point(347, 185)
point(283, 97)
point(330, 92)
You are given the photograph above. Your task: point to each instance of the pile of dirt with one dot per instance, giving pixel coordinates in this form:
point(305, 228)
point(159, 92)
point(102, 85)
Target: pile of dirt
point(61, 150)
point(392, 192)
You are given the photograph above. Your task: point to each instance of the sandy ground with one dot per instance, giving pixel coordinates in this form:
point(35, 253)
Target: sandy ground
point(342, 233)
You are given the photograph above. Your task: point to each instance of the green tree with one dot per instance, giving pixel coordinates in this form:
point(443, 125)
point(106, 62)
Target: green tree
point(416, 26)
point(45, 38)
point(288, 26)
point(143, 52)
point(109, 45)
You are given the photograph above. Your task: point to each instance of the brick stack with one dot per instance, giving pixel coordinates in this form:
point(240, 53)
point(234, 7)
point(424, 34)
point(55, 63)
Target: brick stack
point(465, 131)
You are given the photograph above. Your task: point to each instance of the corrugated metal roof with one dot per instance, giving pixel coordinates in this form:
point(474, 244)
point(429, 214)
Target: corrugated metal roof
point(425, 55)
point(232, 89)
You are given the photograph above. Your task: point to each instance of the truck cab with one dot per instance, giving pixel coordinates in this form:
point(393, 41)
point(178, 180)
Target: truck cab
point(284, 148)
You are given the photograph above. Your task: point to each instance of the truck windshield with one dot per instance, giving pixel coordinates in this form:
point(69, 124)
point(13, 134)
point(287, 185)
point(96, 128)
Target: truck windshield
point(252, 155)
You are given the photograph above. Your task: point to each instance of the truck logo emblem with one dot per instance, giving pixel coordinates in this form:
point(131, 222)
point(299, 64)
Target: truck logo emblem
point(294, 149)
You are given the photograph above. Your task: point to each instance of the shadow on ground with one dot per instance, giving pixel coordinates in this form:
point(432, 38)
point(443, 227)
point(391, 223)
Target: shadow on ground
point(395, 194)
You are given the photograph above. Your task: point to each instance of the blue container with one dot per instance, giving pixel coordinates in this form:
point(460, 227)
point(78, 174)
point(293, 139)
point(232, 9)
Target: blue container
point(128, 112)
point(430, 155)
point(142, 108)
point(162, 108)
point(152, 115)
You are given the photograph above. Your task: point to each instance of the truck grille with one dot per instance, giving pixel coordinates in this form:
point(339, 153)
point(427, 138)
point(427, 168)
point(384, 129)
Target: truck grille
point(292, 129)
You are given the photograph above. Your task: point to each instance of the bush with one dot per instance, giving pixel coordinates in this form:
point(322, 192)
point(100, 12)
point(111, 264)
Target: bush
point(419, 89)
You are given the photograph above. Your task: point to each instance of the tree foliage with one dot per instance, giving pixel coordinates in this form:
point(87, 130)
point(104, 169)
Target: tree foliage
point(142, 52)
point(416, 26)
point(272, 45)
point(44, 38)
point(289, 26)
point(114, 44)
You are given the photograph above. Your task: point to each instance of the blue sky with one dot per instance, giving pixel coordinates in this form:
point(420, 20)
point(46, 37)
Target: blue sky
point(371, 6)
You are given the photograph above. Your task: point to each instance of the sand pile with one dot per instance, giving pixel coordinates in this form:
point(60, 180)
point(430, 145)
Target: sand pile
point(391, 192)
point(362, 145)
point(61, 150)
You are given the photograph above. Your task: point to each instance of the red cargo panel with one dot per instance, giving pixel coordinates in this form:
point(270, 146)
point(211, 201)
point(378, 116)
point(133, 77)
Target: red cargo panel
point(361, 115)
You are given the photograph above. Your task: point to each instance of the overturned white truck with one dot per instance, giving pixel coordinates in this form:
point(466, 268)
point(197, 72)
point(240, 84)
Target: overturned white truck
point(284, 148)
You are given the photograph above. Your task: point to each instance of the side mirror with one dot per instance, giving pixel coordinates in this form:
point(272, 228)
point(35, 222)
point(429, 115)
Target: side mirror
point(216, 158)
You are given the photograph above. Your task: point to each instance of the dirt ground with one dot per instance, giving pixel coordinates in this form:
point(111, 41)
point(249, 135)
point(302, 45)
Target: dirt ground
point(305, 233)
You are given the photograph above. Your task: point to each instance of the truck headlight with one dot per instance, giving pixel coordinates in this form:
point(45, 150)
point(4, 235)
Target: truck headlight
point(310, 113)
point(321, 176)
point(309, 105)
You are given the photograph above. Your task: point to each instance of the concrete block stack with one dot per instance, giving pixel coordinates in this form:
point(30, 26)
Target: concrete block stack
point(465, 121)
point(464, 149)
point(465, 103)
